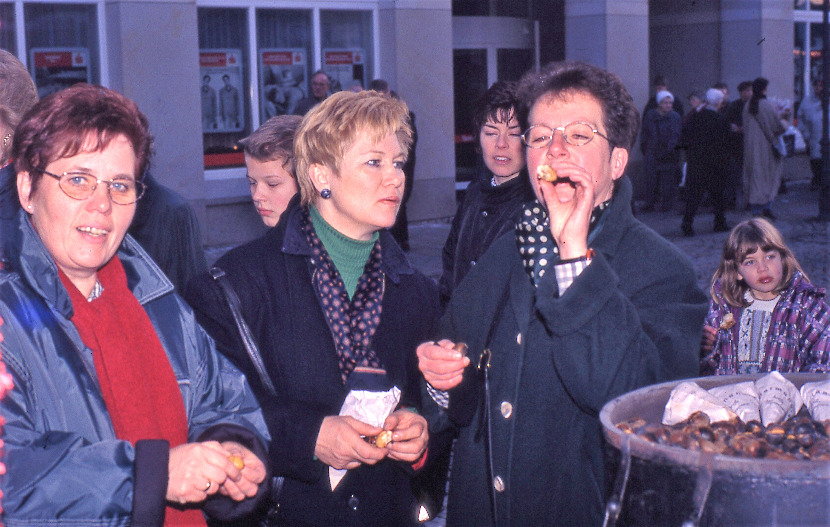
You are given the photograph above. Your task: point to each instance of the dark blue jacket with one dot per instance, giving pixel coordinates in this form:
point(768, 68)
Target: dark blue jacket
point(486, 213)
point(632, 318)
point(272, 276)
point(64, 464)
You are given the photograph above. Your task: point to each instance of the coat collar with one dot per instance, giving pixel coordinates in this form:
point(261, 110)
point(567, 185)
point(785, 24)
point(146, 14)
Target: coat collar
point(30, 258)
point(394, 262)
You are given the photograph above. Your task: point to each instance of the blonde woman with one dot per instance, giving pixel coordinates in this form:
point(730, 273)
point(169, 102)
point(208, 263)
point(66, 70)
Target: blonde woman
point(330, 297)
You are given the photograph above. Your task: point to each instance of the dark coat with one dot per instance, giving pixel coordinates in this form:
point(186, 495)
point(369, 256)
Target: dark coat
point(661, 135)
point(272, 276)
point(486, 213)
point(632, 318)
point(706, 139)
point(167, 228)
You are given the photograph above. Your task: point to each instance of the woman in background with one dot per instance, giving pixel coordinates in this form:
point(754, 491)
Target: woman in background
point(492, 202)
point(762, 165)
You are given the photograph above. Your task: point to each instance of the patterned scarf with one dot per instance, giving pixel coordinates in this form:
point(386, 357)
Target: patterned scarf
point(137, 381)
point(352, 322)
point(535, 241)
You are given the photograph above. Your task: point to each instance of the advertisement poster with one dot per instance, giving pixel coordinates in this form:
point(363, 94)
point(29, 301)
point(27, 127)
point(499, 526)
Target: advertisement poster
point(223, 108)
point(283, 74)
point(344, 66)
point(54, 69)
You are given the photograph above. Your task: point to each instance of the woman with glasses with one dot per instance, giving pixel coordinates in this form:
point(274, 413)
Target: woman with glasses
point(493, 200)
point(582, 304)
point(335, 308)
point(122, 411)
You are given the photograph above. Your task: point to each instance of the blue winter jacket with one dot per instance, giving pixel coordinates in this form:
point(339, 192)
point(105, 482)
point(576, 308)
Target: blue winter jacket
point(65, 465)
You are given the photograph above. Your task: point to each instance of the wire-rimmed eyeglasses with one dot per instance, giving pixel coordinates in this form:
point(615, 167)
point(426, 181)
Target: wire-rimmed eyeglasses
point(576, 134)
point(81, 185)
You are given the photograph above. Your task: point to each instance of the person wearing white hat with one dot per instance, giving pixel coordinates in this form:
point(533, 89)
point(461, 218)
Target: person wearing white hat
point(705, 137)
point(660, 137)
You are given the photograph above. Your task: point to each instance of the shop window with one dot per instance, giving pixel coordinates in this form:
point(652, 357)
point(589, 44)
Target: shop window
point(512, 8)
point(807, 53)
point(347, 48)
point(63, 45)
point(224, 75)
point(8, 35)
point(284, 58)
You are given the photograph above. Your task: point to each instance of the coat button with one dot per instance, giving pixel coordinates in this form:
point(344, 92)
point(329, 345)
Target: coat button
point(498, 484)
point(506, 409)
point(484, 213)
point(353, 502)
point(519, 339)
point(472, 263)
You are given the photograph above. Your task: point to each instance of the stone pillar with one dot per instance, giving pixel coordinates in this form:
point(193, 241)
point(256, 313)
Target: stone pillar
point(153, 51)
point(416, 59)
point(757, 41)
point(612, 34)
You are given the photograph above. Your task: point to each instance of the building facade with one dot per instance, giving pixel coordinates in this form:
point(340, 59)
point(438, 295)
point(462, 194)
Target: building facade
point(208, 72)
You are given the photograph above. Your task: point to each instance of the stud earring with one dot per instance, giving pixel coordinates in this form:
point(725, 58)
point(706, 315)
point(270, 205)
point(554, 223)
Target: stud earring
point(325, 193)
point(29, 206)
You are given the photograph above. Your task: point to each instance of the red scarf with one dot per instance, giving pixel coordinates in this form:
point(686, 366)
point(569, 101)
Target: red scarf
point(136, 378)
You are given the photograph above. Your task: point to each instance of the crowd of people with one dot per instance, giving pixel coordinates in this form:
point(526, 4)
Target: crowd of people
point(315, 377)
point(724, 153)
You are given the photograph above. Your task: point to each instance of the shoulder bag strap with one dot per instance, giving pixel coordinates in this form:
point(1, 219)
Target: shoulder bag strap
point(221, 278)
point(244, 331)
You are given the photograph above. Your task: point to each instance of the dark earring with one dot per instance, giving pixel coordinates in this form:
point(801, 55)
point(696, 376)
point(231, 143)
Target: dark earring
point(325, 193)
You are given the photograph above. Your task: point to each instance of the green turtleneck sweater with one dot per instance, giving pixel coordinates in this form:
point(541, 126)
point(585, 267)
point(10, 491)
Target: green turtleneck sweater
point(349, 255)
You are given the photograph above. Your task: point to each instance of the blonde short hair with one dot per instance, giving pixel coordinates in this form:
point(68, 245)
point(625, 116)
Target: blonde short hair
point(331, 127)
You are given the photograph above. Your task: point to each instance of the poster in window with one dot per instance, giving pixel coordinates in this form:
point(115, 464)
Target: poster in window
point(283, 74)
point(344, 66)
point(223, 108)
point(54, 69)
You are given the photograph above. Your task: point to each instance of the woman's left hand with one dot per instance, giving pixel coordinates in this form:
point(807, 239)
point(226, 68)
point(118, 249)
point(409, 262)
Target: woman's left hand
point(409, 435)
point(252, 473)
point(199, 470)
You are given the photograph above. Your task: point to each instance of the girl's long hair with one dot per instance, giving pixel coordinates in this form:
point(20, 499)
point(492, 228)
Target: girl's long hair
point(756, 234)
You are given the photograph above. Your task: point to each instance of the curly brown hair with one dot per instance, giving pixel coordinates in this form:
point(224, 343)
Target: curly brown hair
point(557, 79)
point(80, 118)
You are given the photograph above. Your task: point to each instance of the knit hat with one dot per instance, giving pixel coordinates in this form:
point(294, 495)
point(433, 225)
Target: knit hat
point(662, 95)
point(713, 96)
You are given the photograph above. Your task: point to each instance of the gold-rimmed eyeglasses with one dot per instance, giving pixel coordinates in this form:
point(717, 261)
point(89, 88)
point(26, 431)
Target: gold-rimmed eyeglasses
point(81, 185)
point(576, 134)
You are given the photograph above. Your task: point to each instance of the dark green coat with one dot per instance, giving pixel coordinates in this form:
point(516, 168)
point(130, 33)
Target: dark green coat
point(632, 318)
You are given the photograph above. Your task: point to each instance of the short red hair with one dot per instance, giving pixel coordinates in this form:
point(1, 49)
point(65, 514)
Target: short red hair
point(80, 118)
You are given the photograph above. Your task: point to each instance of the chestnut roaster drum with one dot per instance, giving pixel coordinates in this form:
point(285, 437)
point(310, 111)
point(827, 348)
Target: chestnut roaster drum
point(658, 485)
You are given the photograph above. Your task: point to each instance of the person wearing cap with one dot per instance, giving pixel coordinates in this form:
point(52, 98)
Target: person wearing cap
point(705, 137)
point(660, 137)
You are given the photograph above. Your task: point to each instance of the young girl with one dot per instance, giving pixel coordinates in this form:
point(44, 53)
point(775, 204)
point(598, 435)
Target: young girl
point(765, 315)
